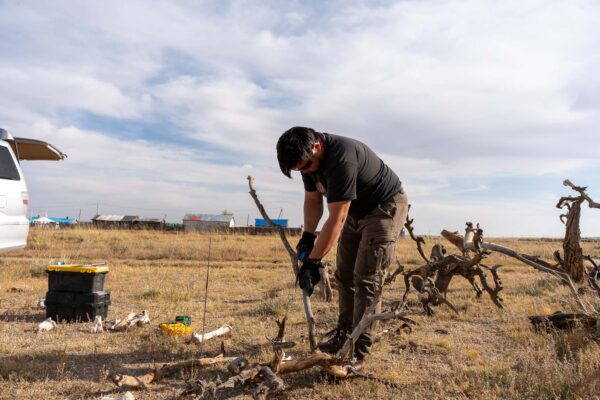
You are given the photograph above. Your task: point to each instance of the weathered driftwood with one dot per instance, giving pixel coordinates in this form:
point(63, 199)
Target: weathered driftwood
point(140, 382)
point(418, 240)
point(581, 190)
point(594, 274)
point(433, 279)
point(267, 382)
point(391, 277)
point(572, 261)
point(561, 320)
point(310, 319)
point(532, 261)
point(220, 331)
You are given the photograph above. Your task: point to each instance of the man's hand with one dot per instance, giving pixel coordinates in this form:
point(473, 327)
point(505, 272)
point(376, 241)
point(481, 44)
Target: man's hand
point(309, 274)
point(305, 245)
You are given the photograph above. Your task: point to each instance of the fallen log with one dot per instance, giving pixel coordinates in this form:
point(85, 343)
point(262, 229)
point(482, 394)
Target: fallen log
point(169, 369)
point(140, 382)
point(563, 321)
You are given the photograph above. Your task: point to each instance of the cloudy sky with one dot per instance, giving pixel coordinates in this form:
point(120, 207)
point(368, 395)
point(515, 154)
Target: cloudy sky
point(481, 107)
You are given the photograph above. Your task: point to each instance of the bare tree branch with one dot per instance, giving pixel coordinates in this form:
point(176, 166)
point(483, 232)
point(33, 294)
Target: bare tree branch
point(140, 382)
point(419, 240)
point(310, 319)
point(581, 190)
point(564, 277)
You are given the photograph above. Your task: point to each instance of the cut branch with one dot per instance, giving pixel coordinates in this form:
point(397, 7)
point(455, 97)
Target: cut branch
point(310, 319)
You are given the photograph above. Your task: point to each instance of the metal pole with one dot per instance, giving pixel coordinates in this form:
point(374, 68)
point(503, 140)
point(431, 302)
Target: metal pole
point(205, 296)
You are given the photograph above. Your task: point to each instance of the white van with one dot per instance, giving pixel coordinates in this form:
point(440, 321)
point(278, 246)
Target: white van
point(14, 198)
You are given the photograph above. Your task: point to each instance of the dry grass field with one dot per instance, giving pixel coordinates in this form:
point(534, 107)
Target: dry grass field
point(483, 353)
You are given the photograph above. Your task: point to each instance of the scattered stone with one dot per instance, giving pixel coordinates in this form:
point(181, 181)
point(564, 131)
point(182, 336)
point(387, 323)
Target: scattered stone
point(41, 303)
point(46, 326)
point(97, 325)
point(124, 396)
point(132, 319)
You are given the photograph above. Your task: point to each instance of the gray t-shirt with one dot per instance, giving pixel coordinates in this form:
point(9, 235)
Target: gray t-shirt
point(350, 170)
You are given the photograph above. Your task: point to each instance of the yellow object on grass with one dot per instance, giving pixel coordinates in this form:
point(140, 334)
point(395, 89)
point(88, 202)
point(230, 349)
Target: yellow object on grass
point(175, 328)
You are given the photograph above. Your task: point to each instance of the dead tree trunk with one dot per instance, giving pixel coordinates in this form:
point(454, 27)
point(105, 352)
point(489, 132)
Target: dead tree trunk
point(573, 254)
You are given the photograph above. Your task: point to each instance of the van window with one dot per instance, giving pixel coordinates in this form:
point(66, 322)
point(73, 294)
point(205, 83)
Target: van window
point(8, 169)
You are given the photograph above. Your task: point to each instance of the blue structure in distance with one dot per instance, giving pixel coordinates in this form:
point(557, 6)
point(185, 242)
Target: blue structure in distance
point(66, 221)
point(261, 223)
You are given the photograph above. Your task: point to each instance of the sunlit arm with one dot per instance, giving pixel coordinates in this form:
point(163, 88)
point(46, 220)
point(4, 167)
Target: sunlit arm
point(338, 212)
point(313, 210)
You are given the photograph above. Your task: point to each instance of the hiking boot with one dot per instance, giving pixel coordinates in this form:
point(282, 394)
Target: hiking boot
point(335, 342)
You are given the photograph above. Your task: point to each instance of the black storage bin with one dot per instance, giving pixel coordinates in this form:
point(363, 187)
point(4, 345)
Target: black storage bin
point(69, 306)
point(76, 278)
point(76, 298)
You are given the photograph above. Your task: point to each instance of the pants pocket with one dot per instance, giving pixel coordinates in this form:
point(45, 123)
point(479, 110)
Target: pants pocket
point(380, 256)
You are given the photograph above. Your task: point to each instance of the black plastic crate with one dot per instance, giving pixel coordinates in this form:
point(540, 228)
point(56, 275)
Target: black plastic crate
point(76, 298)
point(71, 279)
point(59, 307)
point(76, 313)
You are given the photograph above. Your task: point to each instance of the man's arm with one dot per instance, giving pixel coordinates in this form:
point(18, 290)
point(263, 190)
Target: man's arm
point(338, 211)
point(313, 210)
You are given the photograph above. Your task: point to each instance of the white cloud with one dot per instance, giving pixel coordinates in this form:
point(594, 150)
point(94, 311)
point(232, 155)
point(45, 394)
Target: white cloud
point(50, 91)
point(468, 91)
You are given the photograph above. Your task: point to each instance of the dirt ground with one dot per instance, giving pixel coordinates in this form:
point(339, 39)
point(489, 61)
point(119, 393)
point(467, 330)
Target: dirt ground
point(482, 353)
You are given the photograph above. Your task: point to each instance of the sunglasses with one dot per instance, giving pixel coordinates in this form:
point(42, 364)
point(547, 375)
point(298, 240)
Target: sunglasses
point(305, 167)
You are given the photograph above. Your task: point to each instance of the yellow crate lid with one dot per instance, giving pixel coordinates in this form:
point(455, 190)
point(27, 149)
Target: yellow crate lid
point(85, 268)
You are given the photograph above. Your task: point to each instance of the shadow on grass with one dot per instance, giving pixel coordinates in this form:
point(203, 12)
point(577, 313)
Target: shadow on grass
point(11, 316)
point(58, 365)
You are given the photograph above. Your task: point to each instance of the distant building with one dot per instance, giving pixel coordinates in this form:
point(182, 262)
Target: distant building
point(127, 222)
point(149, 223)
point(114, 221)
point(207, 222)
point(262, 223)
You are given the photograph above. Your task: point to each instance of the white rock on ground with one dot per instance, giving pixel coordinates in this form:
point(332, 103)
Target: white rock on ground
point(45, 326)
point(124, 396)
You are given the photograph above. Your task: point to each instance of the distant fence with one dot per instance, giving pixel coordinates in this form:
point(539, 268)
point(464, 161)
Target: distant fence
point(266, 230)
point(242, 230)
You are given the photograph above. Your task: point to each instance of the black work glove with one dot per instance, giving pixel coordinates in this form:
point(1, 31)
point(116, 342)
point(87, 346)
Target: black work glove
point(309, 274)
point(305, 245)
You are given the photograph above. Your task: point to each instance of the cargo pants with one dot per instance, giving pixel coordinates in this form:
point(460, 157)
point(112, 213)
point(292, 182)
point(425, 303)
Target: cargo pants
point(361, 243)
